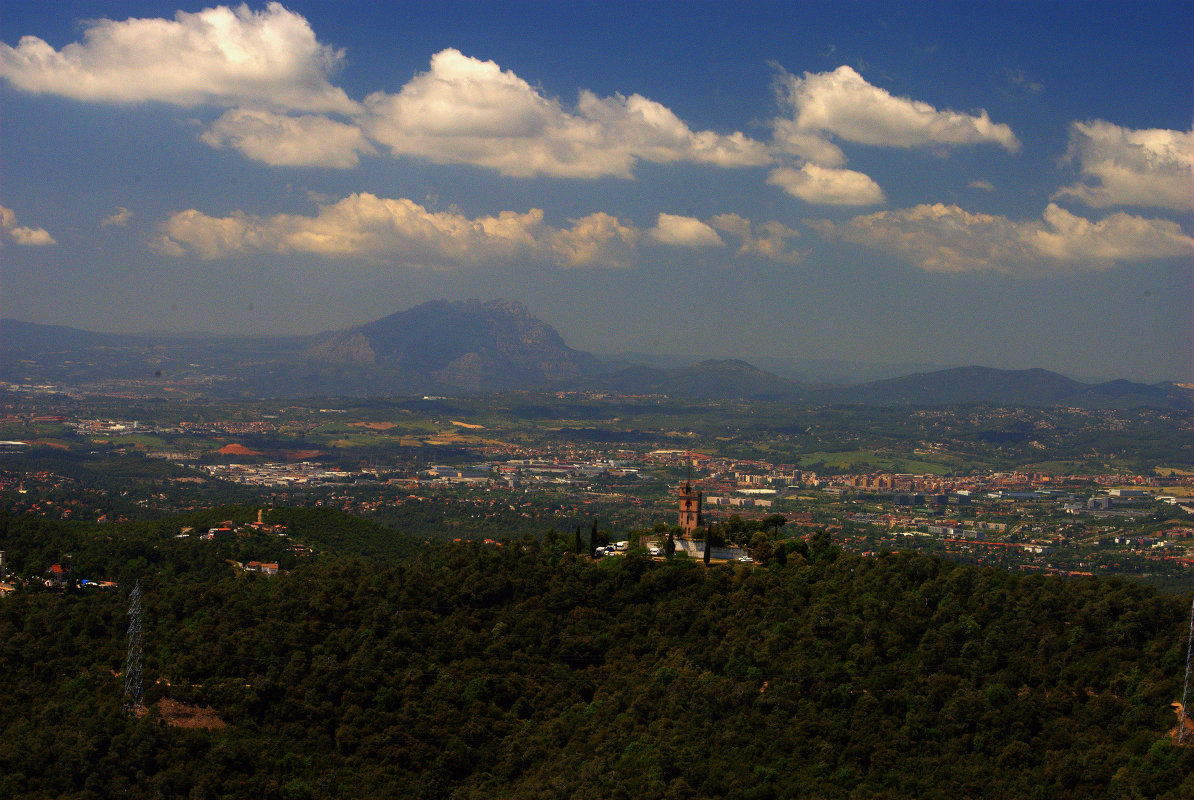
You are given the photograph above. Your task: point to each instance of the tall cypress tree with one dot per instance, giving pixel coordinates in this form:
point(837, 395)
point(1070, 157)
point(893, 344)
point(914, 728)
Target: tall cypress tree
point(578, 543)
point(593, 540)
point(708, 544)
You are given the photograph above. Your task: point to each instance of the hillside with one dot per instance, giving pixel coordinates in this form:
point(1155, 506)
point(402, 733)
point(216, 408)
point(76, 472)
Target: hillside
point(1028, 387)
point(968, 385)
point(522, 671)
point(709, 380)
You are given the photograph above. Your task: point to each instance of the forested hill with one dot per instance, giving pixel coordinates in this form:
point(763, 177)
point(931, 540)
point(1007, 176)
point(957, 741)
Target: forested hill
point(525, 671)
point(154, 551)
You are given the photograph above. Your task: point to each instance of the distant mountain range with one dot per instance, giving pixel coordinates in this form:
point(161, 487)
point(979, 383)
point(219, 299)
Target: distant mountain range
point(448, 347)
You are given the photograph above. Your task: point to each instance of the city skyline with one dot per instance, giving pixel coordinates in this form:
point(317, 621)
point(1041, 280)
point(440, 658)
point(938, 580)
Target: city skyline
point(857, 182)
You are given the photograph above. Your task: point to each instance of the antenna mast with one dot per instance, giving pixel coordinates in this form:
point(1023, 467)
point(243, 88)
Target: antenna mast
point(133, 689)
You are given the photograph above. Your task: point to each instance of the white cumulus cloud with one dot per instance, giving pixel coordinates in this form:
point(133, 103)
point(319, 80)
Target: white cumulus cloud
point(1125, 167)
point(282, 140)
point(827, 185)
point(769, 240)
point(819, 109)
point(118, 218)
point(467, 111)
point(403, 232)
point(597, 240)
point(937, 237)
point(220, 55)
point(946, 238)
point(1114, 238)
point(842, 103)
point(810, 146)
point(20, 234)
point(682, 231)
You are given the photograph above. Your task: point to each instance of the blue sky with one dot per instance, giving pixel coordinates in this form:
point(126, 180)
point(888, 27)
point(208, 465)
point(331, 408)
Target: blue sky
point(1006, 184)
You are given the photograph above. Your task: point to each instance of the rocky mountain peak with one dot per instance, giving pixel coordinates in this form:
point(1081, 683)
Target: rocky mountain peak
point(467, 344)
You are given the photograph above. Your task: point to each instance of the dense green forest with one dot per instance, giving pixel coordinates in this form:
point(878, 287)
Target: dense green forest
point(524, 670)
point(128, 551)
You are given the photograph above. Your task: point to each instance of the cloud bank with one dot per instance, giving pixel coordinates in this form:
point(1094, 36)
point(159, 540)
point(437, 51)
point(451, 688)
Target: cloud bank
point(270, 80)
point(946, 238)
point(401, 231)
point(272, 74)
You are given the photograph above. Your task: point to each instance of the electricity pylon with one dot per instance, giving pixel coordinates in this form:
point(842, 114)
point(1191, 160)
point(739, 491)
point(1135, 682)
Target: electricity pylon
point(133, 689)
point(1181, 717)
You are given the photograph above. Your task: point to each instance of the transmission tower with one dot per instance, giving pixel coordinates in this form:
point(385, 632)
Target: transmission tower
point(1181, 718)
point(133, 690)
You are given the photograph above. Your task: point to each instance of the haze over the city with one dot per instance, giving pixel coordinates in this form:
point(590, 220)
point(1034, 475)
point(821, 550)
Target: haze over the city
point(1007, 184)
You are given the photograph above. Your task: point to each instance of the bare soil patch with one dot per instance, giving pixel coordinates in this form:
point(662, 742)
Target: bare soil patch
point(182, 715)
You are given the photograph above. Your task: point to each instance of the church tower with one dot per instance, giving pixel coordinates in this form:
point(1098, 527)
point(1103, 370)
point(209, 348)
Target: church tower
point(690, 508)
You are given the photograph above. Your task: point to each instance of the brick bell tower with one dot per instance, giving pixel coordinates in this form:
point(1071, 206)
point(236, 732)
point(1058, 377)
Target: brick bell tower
point(690, 508)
